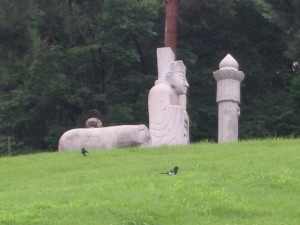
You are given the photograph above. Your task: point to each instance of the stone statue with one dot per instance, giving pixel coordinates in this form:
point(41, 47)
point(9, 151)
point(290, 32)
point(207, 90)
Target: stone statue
point(228, 79)
point(93, 119)
point(105, 138)
point(168, 119)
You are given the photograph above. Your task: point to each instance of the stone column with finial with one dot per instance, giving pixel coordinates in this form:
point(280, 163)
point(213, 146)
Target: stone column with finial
point(228, 79)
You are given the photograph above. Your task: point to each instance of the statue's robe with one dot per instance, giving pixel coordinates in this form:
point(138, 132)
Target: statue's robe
point(168, 119)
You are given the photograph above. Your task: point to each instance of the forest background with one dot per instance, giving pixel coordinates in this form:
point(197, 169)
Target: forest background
point(61, 58)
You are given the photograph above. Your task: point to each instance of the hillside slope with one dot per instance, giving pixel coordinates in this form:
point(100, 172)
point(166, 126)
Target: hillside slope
point(248, 182)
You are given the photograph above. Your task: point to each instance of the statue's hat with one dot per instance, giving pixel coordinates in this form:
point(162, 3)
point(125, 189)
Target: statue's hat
point(177, 66)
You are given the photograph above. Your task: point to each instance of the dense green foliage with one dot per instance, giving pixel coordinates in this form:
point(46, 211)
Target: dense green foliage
point(252, 182)
point(59, 59)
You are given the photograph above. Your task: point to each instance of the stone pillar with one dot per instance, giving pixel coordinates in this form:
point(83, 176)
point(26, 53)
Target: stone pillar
point(228, 79)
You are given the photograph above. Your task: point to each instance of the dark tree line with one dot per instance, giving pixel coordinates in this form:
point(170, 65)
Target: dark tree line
point(59, 59)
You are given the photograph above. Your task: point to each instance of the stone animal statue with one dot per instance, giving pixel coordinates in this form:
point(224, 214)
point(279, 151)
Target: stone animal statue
point(93, 119)
point(105, 138)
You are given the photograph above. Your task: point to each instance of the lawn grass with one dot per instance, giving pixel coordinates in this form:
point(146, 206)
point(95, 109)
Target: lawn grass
point(247, 182)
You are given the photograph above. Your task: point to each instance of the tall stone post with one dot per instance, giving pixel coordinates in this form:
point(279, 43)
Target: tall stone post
point(228, 79)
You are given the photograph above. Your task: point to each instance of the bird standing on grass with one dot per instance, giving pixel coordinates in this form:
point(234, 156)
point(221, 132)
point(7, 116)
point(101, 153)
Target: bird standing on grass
point(172, 171)
point(84, 152)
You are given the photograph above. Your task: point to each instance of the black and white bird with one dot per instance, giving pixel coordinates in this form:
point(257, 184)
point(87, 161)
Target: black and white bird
point(172, 171)
point(295, 66)
point(84, 152)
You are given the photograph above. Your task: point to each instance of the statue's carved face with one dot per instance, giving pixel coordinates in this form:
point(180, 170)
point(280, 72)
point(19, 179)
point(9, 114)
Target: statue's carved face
point(179, 83)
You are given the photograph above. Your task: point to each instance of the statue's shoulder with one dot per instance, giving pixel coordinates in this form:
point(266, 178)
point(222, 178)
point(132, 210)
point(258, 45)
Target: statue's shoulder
point(161, 88)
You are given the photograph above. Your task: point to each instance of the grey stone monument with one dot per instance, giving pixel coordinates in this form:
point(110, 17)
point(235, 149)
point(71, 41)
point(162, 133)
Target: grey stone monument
point(228, 79)
point(168, 118)
point(105, 138)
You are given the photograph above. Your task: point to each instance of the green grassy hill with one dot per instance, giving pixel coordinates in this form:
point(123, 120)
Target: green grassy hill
point(248, 182)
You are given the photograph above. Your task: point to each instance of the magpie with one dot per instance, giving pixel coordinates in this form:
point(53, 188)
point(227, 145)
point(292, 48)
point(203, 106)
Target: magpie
point(172, 171)
point(84, 152)
point(295, 66)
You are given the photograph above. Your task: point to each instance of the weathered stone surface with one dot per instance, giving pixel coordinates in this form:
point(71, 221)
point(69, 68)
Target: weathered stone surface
point(228, 79)
point(93, 123)
point(105, 138)
point(228, 89)
point(93, 119)
point(165, 57)
point(228, 114)
point(228, 63)
point(168, 119)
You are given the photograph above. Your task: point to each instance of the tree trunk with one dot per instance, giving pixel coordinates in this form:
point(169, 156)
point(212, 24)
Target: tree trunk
point(171, 24)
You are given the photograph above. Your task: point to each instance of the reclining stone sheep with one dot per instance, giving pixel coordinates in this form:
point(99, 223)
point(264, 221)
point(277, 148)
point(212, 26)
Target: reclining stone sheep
point(105, 137)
